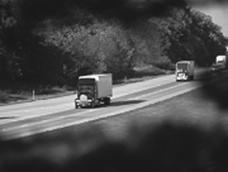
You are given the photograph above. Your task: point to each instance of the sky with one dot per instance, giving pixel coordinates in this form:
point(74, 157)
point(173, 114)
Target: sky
point(219, 14)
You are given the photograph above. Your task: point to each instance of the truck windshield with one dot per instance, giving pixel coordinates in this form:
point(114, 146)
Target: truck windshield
point(220, 61)
point(86, 81)
point(182, 66)
point(86, 86)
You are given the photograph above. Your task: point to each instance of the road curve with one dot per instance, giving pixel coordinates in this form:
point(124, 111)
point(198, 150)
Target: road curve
point(43, 116)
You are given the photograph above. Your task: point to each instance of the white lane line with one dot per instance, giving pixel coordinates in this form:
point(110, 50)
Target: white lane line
point(39, 113)
point(159, 91)
point(38, 109)
point(44, 121)
point(142, 89)
point(31, 104)
point(23, 116)
point(66, 98)
point(87, 111)
point(102, 116)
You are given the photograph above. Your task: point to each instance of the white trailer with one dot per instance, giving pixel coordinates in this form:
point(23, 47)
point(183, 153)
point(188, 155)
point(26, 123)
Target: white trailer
point(220, 63)
point(221, 59)
point(185, 70)
point(93, 90)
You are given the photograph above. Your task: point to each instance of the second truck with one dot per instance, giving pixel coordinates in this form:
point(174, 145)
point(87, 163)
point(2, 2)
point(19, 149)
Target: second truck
point(220, 63)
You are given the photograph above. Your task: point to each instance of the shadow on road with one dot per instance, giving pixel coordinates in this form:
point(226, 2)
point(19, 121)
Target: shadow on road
point(7, 117)
point(117, 103)
point(128, 102)
point(216, 87)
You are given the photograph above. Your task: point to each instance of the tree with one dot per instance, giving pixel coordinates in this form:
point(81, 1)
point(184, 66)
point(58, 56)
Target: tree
point(210, 34)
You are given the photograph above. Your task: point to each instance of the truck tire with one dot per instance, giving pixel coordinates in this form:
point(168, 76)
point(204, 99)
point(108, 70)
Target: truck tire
point(107, 101)
point(92, 104)
point(191, 78)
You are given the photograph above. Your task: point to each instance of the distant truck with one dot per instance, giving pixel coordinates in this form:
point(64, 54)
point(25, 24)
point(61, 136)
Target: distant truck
point(185, 70)
point(220, 63)
point(94, 90)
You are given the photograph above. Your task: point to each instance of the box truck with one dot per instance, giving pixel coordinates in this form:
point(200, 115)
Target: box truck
point(93, 90)
point(185, 70)
point(220, 63)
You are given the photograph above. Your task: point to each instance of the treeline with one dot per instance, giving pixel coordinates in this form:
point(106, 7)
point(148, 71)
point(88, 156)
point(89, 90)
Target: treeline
point(53, 42)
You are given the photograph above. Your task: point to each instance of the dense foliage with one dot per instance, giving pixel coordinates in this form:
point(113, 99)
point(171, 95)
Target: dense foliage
point(55, 46)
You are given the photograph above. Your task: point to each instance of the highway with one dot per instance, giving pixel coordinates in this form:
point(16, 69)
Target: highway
point(27, 119)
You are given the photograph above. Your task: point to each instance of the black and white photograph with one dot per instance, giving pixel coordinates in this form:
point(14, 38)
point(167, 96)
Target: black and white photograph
point(113, 85)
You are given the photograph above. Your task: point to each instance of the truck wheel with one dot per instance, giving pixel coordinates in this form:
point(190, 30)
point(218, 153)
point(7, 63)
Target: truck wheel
point(107, 100)
point(92, 105)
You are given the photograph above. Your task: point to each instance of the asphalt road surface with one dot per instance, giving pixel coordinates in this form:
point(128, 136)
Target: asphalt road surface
point(22, 120)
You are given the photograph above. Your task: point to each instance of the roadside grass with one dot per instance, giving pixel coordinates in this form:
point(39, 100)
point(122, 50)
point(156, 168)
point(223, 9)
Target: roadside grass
point(149, 70)
point(4, 96)
point(141, 73)
point(20, 95)
point(185, 133)
point(11, 93)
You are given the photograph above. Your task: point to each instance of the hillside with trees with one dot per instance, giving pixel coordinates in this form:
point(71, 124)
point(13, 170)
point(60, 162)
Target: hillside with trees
point(53, 42)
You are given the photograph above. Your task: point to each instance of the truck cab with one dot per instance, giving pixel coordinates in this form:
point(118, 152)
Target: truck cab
point(185, 70)
point(86, 93)
point(93, 90)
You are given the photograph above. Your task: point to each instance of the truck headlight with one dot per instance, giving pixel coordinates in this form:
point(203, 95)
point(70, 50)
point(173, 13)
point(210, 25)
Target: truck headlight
point(83, 97)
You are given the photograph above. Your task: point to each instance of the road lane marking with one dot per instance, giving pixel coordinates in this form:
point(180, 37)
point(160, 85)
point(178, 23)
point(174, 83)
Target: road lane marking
point(87, 111)
point(143, 88)
point(54, 111)
point(58, 100)
point(159, 91)
point(40, 122)
point(102, 116)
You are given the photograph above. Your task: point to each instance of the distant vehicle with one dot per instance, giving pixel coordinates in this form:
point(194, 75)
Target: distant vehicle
point(185, 70)
point(220, 63)
point(93, 90)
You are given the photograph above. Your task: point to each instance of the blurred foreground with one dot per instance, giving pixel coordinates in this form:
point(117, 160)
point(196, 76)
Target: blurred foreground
point(186, 133)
